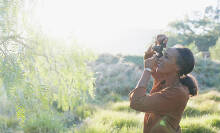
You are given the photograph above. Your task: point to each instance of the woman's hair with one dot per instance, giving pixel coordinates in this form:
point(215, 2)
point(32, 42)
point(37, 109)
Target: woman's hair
point(186, 62)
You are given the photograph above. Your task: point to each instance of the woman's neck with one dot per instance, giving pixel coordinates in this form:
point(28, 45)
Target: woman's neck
point(170, 79)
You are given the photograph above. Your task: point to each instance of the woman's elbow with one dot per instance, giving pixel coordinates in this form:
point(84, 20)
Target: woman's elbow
point(134, 104)
point(138, 105)
point(131, 101)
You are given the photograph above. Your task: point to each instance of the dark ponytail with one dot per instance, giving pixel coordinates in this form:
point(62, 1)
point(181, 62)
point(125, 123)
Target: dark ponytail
point(191, 83)
point(186, 62)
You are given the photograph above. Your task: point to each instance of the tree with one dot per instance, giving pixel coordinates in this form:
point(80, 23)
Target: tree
point(201, 28)
point(37, 70)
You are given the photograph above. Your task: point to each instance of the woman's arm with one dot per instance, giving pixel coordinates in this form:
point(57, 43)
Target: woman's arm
point(164, 101)
point(140, 89)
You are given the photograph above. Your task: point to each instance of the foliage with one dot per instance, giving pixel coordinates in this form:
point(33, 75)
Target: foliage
point(207, 73)
point(110, 121)
point(202, 124)
point(203, 42)
point(200, 28)
point(43, 123)
point(193, 48)
point(137, 60)
point(119, 118)
point(122, 106)
point(8, 124)
point(107, 74)
point(46, 86)
point(38, 70)
point(9, 11)
point(114, 75)
point(214, 51)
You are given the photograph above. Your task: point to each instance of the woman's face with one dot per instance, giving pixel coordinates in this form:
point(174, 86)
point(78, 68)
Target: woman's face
point(167, 63)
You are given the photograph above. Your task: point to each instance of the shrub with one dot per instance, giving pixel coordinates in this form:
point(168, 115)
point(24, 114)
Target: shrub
point(84, 111)
point(44, 122)
point(207, 73)
point(8, 124)
point(114, 75)
point(193, 48)
point(214, 51)
point(137, 60)
point(77, 115)
point(112, 69)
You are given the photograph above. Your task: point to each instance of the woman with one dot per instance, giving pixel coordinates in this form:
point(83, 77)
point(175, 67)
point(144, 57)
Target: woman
point(171, 90)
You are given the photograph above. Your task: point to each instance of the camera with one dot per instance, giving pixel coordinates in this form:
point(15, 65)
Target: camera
point(160, 44)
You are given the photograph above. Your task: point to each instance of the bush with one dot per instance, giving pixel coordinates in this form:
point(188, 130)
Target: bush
point(214, 51)
point(44, 122)
point(207, 73)
point(137, 60)
point(193, 48)
point(114, 76)
point(84, 111)
point(8, 124)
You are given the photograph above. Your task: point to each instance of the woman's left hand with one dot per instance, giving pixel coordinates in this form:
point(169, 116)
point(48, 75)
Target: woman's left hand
point(151, 63)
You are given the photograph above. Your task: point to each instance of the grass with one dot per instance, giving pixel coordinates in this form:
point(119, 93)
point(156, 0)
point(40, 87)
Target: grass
point(202, 115)
point(108, 121)
point(121, 106)
point(8, 124)
point(201, 124)
point(43, 123)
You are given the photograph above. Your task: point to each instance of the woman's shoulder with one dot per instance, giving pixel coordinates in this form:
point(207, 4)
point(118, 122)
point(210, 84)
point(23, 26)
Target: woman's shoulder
point(177, 91)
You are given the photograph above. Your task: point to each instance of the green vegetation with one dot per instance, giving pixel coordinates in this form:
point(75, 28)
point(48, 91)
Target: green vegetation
point(214, 51)
point(200, 116)
point(44, 122)
point(201, 28)
point(49, 85)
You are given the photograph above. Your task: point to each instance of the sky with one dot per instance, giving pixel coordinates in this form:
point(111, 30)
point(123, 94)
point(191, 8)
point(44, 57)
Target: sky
point(113, 26)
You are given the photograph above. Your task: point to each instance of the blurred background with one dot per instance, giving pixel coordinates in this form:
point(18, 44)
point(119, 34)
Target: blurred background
point(68, 66)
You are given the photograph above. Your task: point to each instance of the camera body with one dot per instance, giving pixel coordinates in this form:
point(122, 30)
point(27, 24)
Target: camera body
point(160, 44)
point(159, 50)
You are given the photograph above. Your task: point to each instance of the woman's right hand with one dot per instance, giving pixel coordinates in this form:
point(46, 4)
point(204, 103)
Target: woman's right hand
point(151, 63)
point(149, 53)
